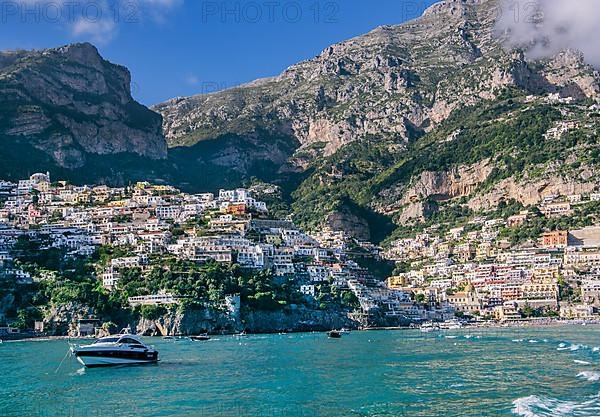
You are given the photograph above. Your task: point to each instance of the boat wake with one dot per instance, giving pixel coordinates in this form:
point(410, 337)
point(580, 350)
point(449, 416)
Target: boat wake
point(589, 376)
point(536, 406)
point(573, 347)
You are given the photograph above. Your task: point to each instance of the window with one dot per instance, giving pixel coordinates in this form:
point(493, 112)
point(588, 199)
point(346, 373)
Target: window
point(129, 341)
point(107, 340)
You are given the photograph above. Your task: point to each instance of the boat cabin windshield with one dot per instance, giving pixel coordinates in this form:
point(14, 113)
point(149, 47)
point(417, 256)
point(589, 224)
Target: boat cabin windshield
point(108, 340)
point(129, 341)
point(124, 340)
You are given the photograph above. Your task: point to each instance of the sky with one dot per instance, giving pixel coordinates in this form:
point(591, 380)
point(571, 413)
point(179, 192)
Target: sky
point(185, 47)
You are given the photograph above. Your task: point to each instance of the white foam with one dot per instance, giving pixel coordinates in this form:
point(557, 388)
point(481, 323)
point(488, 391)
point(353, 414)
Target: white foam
point(523, 406)
point(573, 347)
point(537, 406)
point(581, 362)
point(589, 376)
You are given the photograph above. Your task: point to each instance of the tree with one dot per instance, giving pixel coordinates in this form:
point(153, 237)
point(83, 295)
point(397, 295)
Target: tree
point(420, 298)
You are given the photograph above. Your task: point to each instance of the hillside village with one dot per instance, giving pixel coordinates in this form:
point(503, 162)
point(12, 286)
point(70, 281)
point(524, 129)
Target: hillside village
point(480, 273)
point(472, 271)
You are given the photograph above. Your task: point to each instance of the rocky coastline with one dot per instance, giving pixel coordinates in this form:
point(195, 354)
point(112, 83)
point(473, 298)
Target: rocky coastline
point(63, 321)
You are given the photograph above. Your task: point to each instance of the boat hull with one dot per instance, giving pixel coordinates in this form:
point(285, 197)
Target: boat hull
point(200, 338)
point(103, 358)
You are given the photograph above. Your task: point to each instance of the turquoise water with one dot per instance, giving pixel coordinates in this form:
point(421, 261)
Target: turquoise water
point(472, 372)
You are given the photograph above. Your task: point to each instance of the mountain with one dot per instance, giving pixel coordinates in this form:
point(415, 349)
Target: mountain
point(67, 106)
point(395, 83)
point(425, 122)
point(384, 127)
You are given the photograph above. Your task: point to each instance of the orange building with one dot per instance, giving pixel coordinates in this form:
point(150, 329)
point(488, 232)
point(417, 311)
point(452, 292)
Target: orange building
point(555, 239)
point(237, 209)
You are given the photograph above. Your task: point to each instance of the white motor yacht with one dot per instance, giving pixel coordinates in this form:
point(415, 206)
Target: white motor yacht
point(451, 325)
point(122, 349)
point(429, 327)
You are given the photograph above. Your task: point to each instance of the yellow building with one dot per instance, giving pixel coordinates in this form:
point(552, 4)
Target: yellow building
point(398, 282)
point(118, 203)
point(547, 275)
point(273, 240)
point(508, 311)
point(539, 291)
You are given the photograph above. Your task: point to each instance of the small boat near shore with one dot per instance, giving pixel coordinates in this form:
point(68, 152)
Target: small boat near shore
point(200, 338)
point(429, 327)
point(450, 325)
point(122, 349)
point(334, 334)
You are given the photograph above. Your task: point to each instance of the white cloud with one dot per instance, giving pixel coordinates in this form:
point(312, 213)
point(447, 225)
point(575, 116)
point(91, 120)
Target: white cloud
point(94, 22)
point(192, 80)
point(163, 3)
point(158, 10)
point(545, 27)
point(100, 32)
point(99, 20)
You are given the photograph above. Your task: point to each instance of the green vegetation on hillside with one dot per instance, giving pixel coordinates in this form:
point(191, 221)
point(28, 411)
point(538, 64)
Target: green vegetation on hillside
point(509, 132)
point(62, 280)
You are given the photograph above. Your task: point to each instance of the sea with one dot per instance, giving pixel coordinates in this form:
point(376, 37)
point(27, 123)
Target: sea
point(533, 371)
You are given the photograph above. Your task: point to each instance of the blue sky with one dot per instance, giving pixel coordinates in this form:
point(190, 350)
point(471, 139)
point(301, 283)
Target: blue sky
point(184, 47)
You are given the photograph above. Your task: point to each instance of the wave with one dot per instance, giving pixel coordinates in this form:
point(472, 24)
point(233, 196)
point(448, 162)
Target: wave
point(581, 362)
point(537, 406)
point(589, 376)
point(79, 372)
point(573, 347)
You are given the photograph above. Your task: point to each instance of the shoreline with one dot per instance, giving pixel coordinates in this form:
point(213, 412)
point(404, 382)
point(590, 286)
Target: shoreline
point(491, 325)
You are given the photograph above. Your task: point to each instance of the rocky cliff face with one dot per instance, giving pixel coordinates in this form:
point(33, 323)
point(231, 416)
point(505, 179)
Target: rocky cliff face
point(394, 83)
point(214, 321)
point(298, 320)
point(69, 103)
point(62, 320)
point(530, 191)
point(458, 182)
point(410, 202)
point(189, 323)
point(372, 105)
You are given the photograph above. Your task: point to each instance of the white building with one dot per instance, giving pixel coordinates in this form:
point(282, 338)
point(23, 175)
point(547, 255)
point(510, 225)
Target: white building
point(156, 299)
point(251, 256)
point(308, 290)
point(110, 279)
